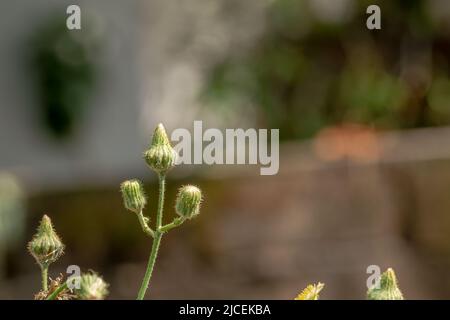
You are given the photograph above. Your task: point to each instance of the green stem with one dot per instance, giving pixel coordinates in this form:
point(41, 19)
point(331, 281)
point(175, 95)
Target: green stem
point(150, 265)
point(175, 223)
point(57, 291)
point(44, 274)
point(156, 241)
point(142, 220)
point(162, 190)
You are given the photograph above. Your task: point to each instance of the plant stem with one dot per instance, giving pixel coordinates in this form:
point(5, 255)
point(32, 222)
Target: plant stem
point(57, 291)
point(150, 265)
point(156, 241)
point(142, 220)
point(162, 190)
point(44, 274)
point(175, 223)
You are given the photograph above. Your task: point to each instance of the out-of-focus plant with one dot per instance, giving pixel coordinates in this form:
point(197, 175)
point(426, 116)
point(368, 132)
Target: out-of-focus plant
point(439, 99)
point(46, 247)
point(12, 214)
point(65, 72)
point(316, 65)
point(160, 157)
point(311, 292)
point(387, 288)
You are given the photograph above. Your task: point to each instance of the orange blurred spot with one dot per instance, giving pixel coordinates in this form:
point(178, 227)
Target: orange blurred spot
point(352, 141)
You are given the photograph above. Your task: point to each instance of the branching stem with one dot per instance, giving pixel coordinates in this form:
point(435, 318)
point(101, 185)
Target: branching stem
point(145, 227)
point(175, 223)
point(156, 240)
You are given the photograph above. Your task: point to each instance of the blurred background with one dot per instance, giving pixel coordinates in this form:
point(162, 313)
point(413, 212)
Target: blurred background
point(364, 119)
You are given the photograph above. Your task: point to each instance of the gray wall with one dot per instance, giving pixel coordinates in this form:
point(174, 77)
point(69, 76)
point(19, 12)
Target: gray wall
point(108, 141)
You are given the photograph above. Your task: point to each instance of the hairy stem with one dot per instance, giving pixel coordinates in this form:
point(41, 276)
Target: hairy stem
point(44, 274)
point(162, 190)
point(142, 220)
point(58, 290)
point(175, 223)
point(156, 241)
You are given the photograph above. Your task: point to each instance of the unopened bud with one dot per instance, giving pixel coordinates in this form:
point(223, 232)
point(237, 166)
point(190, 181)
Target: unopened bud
point(133, 195)
point(92, 287)
point(387, 288)
point(188, 202)
point(46, 246)
point(161, 156)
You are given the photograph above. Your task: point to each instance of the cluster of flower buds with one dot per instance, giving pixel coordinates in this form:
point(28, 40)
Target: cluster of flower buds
point(386, 289)
point(161, 157)
point(46, 246)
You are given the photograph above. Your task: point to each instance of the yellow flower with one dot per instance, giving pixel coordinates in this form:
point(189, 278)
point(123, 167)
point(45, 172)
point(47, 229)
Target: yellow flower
point(311, 292)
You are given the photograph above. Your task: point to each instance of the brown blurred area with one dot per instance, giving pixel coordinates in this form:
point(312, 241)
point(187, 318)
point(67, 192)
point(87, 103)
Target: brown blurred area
point(364, 120)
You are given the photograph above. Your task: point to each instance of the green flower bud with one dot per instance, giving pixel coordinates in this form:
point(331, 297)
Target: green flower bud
point(161, 156)
point(133, 195)
point(188, 202)
point(46, 246)
point(387, 288)
point(92, 287)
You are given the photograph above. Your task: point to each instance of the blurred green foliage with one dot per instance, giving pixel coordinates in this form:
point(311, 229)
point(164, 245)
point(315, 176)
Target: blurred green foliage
point(310, 70)
point(12, 216)
point(63, 62)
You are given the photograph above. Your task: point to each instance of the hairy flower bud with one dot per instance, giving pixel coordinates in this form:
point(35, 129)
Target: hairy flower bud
point(387, 289)
point(133, 195)
point(91, 287)
point(161, 156)
point(188, 202)
point(46, 246)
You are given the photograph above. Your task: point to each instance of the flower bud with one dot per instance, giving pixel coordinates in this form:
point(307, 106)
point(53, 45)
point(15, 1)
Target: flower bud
point(161, 156)
point(133, 195)
point(387, 289)
point(311, 292)
point(91, 287)
point(188, 202)
point(46, 246)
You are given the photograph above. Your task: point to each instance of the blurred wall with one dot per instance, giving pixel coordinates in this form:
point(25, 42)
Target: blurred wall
point(107, 141)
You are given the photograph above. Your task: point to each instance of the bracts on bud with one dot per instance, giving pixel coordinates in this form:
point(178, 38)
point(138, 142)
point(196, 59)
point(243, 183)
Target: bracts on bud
point(188, 202)
point(91, 287)
point(46, 246)
point(133, 195)
point(161, 157)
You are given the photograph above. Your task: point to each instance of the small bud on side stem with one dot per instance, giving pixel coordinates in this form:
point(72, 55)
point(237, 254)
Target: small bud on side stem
point(188, 202)
point(133, 195)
